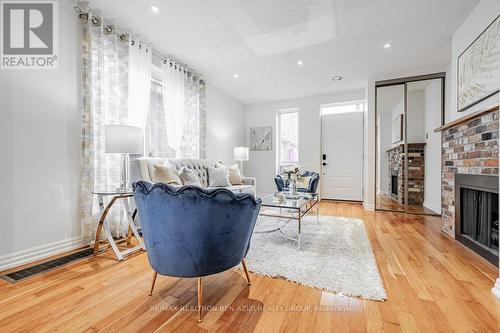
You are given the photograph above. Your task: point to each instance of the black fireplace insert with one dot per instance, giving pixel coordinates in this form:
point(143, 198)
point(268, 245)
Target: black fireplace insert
point(476, 214)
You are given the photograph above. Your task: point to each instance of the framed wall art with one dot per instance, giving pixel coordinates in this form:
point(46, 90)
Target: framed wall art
point(479, 68)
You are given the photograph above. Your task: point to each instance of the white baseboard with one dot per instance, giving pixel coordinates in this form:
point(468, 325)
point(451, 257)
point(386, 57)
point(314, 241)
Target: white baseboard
point(39, 252)
point(496, 289)
point(368, 207)
point(432, 206)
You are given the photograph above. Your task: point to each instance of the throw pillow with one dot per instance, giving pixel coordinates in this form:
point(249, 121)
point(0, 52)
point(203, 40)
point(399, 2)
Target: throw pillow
point(303, 182)
point(218, 177)
point(189, 177)
point(235, 175)
point(166, 174)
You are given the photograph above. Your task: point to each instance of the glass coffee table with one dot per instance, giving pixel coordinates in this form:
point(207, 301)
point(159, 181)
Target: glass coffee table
point(279, 205)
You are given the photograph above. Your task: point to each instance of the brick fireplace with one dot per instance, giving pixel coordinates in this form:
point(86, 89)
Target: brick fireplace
point(469, 147)
point(416, 173)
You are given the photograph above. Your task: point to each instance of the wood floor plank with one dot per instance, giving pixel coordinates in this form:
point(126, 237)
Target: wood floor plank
point(433, 283)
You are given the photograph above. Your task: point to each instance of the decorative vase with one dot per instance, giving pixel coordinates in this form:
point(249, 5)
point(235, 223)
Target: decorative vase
point(292, 187)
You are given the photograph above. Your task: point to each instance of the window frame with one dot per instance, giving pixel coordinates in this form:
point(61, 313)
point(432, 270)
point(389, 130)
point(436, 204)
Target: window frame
point(340, 104)
point(279, 113)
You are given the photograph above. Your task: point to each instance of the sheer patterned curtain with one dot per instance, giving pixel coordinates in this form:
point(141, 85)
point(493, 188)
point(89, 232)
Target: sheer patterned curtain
point(139, 82)
point(185, 108)
point(105, 73)
point(173, 103)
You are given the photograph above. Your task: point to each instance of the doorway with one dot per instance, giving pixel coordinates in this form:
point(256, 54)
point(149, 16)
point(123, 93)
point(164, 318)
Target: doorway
point(342, 151)
point(408, 149)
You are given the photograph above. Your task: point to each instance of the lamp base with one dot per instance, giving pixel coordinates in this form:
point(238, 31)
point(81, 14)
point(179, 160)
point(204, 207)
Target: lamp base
point(124, 185)
point(122, 189)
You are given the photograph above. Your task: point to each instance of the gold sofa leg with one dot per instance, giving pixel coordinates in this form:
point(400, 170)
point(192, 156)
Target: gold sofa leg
point(200, 298)
point(153, 284)
point(246, 271)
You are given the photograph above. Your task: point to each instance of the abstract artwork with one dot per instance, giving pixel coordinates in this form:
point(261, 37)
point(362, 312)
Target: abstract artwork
point(261, 138)
point(479, 68)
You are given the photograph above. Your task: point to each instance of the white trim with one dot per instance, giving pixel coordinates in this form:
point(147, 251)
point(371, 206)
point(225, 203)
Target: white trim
point(431, 206)
point(496, 289)
point(39, 252)
point(368, 207)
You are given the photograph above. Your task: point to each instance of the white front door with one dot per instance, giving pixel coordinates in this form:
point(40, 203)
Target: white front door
point(342, 156)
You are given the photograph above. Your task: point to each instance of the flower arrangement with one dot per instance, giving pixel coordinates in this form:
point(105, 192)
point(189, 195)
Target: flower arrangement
point(292, 172)
point(292, 175)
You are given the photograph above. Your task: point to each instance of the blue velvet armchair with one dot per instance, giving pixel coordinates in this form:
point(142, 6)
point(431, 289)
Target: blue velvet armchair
point(282, 185)
point(193, 232)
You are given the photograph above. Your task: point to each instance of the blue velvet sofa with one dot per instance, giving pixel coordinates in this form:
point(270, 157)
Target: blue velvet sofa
point(194, 232)
point(282, 185)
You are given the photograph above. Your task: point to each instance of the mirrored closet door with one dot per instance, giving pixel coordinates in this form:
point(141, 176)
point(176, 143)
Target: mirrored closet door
point(408, 149)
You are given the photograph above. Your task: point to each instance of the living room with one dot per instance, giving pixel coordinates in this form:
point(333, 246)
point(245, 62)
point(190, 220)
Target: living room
point(255, 166)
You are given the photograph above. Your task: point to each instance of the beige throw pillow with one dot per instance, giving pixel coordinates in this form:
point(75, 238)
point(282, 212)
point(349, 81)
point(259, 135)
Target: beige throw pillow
point(166, 174)
point(218, 177)
point(235, 175)
point(189, 177)
point(303, 182)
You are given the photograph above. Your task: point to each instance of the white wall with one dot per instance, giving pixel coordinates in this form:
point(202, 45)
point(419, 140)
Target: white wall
point(432, 120)
point(415, 113)
point(385, 143)
point(40, 144)
point(225, 125)
point(484, 13)
point(262, 164)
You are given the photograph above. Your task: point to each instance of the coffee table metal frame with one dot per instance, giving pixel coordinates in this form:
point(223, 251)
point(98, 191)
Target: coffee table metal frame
point(301, 211)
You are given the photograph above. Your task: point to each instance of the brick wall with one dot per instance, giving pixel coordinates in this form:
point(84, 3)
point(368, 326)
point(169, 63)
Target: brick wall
point(470, 147)
point(396, 165)
point(416, 172)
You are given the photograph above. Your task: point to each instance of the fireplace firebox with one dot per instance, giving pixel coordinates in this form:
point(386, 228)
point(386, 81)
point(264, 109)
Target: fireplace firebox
point(394, 185)
point(476, 213)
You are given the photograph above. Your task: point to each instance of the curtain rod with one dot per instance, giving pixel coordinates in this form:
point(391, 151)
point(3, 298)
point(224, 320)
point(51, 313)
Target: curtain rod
point(169, 59)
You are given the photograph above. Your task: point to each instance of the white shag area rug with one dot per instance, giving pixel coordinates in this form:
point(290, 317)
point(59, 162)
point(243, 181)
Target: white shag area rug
point(336, 255)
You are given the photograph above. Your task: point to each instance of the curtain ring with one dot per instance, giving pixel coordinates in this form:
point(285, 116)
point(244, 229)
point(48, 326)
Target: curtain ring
point(165, 61)
point(133, 42)
point(140, 46)
point(95, 20)
point(109, 28)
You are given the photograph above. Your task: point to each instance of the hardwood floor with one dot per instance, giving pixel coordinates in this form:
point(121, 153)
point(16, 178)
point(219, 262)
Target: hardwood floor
point(434, 284)
point(385, 202)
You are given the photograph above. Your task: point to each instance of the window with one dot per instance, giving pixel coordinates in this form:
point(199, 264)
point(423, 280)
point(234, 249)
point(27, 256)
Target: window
point(343, 107)
point(288, 138)
point(156, 125)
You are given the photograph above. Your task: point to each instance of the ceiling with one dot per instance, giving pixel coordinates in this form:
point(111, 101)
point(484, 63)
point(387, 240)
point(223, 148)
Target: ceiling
point(262, 40)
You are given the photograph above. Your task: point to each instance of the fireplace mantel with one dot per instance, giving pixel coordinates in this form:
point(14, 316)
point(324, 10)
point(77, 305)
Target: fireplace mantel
point(466, 118)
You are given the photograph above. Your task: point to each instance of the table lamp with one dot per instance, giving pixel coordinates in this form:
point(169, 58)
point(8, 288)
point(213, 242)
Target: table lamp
point(240, 155)
point(125, 140)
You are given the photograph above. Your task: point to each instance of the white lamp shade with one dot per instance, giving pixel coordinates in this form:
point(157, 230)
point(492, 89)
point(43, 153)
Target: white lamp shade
point(123, 139)
point(241, 153)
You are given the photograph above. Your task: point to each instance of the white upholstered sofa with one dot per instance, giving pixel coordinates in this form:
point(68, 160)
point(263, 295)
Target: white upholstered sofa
point(142, 168)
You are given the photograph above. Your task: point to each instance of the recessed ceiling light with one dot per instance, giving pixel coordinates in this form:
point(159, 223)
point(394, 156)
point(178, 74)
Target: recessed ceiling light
point(300, 62)
point(337, 78)
point(387, 45)
point(235, 75)
point(155, 9)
